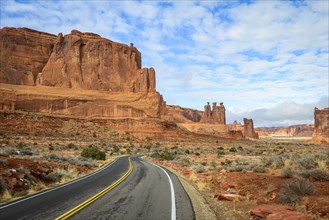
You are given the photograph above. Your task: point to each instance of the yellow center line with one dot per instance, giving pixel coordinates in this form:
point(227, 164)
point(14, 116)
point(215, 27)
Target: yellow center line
point(84, 204)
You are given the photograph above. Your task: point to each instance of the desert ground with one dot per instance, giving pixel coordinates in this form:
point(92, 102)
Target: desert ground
point(235, 178)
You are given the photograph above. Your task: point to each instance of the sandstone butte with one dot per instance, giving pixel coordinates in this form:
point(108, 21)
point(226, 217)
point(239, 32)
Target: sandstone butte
point(321, 126)
point(83, 75)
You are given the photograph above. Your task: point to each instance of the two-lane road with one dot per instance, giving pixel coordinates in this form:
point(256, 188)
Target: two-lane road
point(145, 194)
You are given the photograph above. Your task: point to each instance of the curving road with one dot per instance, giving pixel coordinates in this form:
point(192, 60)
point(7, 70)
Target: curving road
point(147, 193)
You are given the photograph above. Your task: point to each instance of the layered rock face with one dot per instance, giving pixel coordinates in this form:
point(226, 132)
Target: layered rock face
point(216, 115)
point(24, 53)
point(79, 74)
point(321, 126)
point(77, 60)
point(248, 129)
point(292, 131)
point(183, 115)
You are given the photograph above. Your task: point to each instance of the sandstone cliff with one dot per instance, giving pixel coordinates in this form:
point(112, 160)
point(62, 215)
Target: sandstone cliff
point(183, 115)
point(76, 60)
point(24, 53)
point(78, 74)
point(321, 126)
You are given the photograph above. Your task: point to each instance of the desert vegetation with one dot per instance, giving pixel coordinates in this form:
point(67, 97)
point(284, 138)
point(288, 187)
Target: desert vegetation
point(236, 175)
point(242, 175)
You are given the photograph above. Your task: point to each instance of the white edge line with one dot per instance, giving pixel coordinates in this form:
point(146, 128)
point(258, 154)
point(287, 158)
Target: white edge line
point(58, 187)
point(173, 202)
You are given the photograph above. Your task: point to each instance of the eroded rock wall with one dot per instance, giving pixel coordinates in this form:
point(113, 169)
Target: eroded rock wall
point(321, 126)
point(23, 54)
point(88, 61)
point(76, 60)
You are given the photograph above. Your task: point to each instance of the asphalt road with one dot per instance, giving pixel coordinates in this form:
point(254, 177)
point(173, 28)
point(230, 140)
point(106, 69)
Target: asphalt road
point(145, 194)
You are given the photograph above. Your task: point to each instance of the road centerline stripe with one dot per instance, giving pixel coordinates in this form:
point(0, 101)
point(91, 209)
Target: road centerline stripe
point(173, 202)
point(84, 204)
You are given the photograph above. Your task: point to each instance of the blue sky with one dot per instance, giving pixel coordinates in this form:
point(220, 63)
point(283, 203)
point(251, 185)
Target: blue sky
point(264, 59)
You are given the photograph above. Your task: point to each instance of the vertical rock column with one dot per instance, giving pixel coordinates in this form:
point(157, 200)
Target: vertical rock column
point(248, 129)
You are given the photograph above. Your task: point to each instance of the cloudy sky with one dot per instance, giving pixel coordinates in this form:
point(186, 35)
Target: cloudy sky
point(264, 59)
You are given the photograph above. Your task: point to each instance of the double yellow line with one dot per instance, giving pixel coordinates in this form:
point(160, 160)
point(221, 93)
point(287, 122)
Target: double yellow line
point(97, 196)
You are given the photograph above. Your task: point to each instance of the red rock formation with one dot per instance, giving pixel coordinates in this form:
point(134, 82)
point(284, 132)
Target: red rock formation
point(321, 126)
point(183, 115)
point(206, 116)
point(110, 74)
point(76, 60)
point(24, 53)
point(88, 61)
point(275, 211)
point(248, 130)
point(216, 115)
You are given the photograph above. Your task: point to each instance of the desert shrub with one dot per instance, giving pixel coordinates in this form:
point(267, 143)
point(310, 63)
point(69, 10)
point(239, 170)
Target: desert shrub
point(238, 168)
point(26, 172)
point(319, 174)
point(93, 153)
point(306, 163)
point(115, 148)
point(187, 151)
point(213, 164)
point(292, 192)
point(53, 177)
point(197, 154)
point(259, 169)
point(59, 174)
point(3, 163)
point(287, 172)
point(220, 152)
point(226, 162)
point(233, 149)
point(199, 169)
point(8, 151)
point(185, 162)
point(21, 145)
point(81, 161)
point(25, 152)
point(165, 155)
point(3, 186)
point(71, 146)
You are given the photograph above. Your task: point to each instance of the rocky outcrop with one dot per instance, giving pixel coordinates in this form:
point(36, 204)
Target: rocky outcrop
point(321, 126)
point(216, 115)
point(248, 129)
point(88, 61)
point(76, 60)
point(183, 115)
point(275, 211)
point(24, 53)
point(78, 74)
